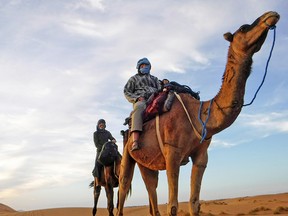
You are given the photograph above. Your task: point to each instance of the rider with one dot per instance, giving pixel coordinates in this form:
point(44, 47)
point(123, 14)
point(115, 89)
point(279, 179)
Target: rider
point(137, 91)
point(101, 136)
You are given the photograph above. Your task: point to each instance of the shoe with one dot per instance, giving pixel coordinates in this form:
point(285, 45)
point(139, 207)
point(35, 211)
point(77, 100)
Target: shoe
point(135, 146)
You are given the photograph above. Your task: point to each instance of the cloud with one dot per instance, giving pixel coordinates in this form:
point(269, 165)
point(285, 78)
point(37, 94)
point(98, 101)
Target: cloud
point(274, 122)
point(89, 5)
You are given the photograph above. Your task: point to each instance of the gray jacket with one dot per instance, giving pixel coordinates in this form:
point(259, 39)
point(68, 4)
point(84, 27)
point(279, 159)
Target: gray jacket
point(141, 86)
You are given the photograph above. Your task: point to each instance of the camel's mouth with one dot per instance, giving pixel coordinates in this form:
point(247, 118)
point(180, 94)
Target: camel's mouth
point(271, 19)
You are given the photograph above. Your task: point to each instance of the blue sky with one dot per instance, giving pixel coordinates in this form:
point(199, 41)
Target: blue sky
point(64, 63)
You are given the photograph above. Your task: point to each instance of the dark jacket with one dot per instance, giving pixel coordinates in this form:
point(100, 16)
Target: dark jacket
point(101, 137)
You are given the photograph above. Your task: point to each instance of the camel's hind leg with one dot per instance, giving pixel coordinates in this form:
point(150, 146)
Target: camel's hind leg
point(125, 178)
point(150, 178)
point(199, 166)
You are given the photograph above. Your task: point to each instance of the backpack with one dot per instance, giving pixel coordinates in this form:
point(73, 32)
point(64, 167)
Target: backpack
point(182, 89)
point(108, 154)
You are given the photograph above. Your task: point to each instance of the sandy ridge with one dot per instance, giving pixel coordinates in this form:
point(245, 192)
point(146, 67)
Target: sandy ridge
point(273, 204)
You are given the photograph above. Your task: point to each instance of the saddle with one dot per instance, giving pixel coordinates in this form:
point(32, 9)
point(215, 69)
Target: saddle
point(161, 102)
point(109, 153)
point(109, 156)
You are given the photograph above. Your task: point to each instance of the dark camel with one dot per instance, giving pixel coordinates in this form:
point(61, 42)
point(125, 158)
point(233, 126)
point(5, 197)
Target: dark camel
point(108, 180)
point(180, 140)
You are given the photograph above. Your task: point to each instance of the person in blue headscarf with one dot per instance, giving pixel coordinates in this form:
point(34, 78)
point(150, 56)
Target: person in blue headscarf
point(137, 91)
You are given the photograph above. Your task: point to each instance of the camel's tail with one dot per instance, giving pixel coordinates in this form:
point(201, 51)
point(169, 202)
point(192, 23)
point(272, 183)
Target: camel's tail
point(91, 184)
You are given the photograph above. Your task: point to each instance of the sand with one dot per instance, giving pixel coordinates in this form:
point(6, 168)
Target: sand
point(272, 204)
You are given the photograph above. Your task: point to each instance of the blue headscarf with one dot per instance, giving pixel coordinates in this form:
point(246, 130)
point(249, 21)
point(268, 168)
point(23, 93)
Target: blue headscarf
point(146, 69)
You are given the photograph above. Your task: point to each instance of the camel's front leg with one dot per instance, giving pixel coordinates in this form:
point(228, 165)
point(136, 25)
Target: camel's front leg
point(150, 178)
point(173, 160)
point(109, 189)
point(199, 166)
point(97, 190)
point(125, 178)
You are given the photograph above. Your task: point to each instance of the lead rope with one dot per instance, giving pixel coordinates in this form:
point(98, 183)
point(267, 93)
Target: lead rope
point(266, 68)
point(204, 130)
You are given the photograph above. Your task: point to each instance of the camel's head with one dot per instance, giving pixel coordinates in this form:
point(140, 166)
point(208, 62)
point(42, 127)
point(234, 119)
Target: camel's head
point(248, 39)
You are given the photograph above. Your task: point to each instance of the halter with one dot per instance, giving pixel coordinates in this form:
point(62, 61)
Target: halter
point(267, 63)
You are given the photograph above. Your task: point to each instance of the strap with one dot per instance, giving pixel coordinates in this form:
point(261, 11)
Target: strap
point(160, 141)
point(186, 111)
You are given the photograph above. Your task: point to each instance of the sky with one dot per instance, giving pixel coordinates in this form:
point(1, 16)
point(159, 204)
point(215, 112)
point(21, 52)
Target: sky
point(63, 66)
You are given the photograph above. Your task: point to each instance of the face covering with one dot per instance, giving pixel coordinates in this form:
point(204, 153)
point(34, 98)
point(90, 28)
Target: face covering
point(145, 70)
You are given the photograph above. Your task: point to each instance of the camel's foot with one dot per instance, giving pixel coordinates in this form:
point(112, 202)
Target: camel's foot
point(94, 211)
point(119, 213)
point(111, 212)
point(195, 209)
point(173, 211)
point(157, 213)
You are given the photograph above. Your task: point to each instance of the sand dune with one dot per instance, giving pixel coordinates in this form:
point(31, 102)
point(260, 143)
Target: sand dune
point(274, 204)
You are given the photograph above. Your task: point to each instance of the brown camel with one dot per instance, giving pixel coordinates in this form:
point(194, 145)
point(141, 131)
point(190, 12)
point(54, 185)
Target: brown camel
point(180, 139)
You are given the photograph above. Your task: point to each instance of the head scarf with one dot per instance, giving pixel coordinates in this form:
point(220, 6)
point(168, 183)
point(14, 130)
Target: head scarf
point(99, 122)
point(146, 69)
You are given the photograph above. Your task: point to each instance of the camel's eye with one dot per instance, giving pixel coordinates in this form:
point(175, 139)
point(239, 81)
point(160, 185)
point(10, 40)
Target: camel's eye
point(244, 28)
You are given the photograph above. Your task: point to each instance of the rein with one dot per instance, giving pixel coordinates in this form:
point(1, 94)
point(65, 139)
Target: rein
point(204, 130)
point(266, 68)
point(201, 136)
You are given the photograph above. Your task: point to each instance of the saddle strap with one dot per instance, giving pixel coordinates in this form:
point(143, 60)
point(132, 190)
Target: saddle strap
point(160, 141)
point(186, 111)
point(159, 138)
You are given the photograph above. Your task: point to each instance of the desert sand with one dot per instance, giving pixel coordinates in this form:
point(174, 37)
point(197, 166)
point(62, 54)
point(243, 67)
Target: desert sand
point(272, 204)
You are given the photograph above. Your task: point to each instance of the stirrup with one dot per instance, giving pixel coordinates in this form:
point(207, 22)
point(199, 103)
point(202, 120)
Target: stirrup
point(135, 146)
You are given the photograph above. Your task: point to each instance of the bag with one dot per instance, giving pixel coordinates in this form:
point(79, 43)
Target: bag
point(155, 107)
point(108, 154)
point(182, 89)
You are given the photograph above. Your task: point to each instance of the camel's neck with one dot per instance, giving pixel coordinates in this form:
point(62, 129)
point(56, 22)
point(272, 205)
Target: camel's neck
point(228, 102)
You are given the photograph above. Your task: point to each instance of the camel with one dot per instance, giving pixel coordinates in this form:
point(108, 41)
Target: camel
point(181, 138)
point(109, 179)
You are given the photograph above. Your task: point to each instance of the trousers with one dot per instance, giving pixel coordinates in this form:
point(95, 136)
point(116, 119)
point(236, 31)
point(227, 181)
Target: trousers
point(137, 115)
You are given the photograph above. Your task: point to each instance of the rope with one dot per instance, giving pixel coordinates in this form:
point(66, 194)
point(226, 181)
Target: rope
point(188, 116)
point(204, 130)
point(266, 68)
point(160, 141)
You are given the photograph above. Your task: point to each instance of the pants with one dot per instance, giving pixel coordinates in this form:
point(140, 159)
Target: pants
point(97, 168)
point(137, 115)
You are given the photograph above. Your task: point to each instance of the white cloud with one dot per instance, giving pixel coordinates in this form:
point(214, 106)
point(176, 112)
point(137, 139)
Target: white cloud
point(90, 5)
point(267, 122)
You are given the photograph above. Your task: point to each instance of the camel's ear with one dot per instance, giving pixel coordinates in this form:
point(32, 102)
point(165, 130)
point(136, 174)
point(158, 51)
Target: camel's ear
point(228, 36)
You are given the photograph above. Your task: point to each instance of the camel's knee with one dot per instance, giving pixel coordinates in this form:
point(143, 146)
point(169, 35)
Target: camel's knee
point(124, 181)
point(97, 189)
point(201, 166)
